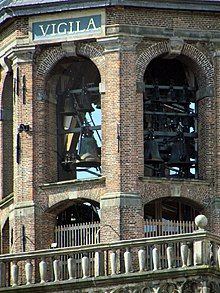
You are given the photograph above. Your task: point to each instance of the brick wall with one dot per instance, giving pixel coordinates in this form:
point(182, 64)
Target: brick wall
point(121, 63)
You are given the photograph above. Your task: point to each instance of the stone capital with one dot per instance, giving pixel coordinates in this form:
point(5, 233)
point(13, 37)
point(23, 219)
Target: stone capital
point(21, 54)
point(205, 92)
point(215, 48)
point(217, 53)
point(119, 43)
point(120, 199)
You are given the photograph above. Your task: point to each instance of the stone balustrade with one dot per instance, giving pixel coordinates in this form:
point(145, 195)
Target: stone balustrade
point(181, 252)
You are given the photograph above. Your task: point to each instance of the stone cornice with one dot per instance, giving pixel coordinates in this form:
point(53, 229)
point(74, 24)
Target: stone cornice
point(7, 200)
point(162, 33)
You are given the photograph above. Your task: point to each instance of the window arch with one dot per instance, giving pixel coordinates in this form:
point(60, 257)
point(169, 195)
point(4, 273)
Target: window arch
point(74, 81)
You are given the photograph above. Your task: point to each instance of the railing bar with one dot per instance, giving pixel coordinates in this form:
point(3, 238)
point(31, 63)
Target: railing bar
point(198, 235)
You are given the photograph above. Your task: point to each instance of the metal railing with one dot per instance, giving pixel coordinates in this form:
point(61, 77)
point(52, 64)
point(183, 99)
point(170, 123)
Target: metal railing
point(153, 228)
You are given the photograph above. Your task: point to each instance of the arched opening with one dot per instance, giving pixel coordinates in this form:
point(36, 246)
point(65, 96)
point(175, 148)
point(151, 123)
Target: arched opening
point(170, 215)
point(6, 116)
point(170, 119)
point(5, 248)
point(74, 81)
point(78, 224)
point(5, 240)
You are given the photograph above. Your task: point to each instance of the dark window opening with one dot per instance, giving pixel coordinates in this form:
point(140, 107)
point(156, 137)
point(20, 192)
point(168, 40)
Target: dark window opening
point(79, 213)
point(75, 83)
point(79, 224)
point(171, 209)
point(170, 120)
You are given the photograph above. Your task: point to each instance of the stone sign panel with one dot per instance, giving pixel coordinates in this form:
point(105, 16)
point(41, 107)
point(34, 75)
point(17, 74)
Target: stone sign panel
point(59, 28)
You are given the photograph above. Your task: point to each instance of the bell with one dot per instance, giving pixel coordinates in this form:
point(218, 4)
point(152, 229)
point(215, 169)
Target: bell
point(179, 155)
point(151, 154)
point(84, 102)
point(156, 92)
point(69, 112)
point(171, 94)
point(184, 97)
point(89, 151)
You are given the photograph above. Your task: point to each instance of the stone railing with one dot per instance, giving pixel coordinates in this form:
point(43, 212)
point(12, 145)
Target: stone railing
point(181, 252)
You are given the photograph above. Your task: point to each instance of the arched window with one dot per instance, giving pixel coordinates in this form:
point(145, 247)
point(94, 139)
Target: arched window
point(75, 83)
point(170, 215)
point(170, 119)
point(78, 224)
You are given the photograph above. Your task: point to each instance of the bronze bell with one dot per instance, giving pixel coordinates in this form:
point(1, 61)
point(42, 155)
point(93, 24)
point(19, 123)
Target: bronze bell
point(89, 151)
point(151, 153)
point(84, 101)
point(179, 155)
point(69, 112)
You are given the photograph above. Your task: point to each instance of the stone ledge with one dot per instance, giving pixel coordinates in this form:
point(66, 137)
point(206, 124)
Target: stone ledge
point(110, 282)
point(8, 199)
point(160, 32)
point(74, 182)
point(174, 181)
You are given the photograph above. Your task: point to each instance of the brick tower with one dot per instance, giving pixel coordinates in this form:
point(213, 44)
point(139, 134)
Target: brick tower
point(109, 121)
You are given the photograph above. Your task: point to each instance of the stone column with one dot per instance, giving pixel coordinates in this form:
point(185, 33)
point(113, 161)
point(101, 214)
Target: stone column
point(206, 133)
point(215, 208)
point(121, 209)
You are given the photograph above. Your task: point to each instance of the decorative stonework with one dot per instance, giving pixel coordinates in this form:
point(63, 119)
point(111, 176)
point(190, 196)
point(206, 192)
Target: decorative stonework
point(148, 55)
point(202, 64)
point(175, 46)
point(52, 55)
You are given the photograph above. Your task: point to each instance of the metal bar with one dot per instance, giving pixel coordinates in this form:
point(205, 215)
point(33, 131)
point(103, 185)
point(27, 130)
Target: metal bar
point(172, 134)
point(89, 89)
point(169, 114)
point(78, 129)
point(90, 115)
point(167, 87)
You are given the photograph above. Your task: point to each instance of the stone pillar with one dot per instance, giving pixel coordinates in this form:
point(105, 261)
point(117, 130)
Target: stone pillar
point(216, 200)
point(206, 134)
point(23, 211)
point(121, 208)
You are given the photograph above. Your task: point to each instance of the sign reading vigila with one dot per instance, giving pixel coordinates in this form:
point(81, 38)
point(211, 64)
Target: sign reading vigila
point(58, 28)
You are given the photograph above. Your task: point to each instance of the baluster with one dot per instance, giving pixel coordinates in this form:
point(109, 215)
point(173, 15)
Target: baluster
point(14, 273)
point(218, 257)
point(184, 251)
point(56, 270)
point(71, 267)
point(2, 274)
point(43, 270)
point(142, 259)
point(127, 260)
point(189, 259)
point(99, 269)
point(28, 271)
point(113, 262)
point(85, 266)
point(170, 256)
point(155, 254)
